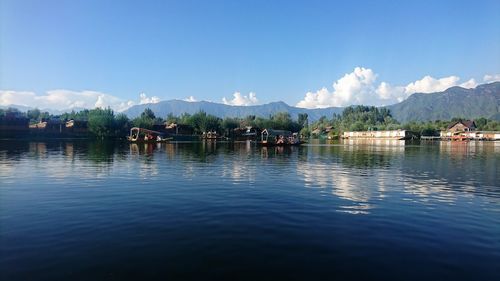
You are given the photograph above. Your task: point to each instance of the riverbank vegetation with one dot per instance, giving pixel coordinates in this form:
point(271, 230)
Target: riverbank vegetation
point(104, 123)
point(370, 118)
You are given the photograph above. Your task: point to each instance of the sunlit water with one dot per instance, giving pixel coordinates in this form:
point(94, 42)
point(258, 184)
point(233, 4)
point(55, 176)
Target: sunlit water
point(380, 210)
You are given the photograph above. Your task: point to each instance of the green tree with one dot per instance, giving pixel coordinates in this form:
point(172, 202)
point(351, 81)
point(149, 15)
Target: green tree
point(428, 129)
point(185, 118)
point(34, 114)
point(172, 119)
point(281, 120)
point(305, 132)
point(143, 122)
point(201, 122)
point(146, 120)
point(121, 124)
point(358, 126)
point(211, 123)
point(148, 113)
point(249, 120)
point(44, 115)
point(229, 124)
point(303, 119)
point(101, 122)
point(481, 123)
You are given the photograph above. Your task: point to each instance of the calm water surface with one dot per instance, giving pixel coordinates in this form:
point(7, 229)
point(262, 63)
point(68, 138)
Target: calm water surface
point(222, 211)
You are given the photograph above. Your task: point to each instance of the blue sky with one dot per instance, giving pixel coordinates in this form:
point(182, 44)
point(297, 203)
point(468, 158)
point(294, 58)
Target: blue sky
point(375, 52)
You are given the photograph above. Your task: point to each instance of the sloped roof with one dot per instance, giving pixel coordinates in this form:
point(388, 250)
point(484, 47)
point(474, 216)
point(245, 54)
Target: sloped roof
point(467, 123)
point(142, 130)
point(273, 132)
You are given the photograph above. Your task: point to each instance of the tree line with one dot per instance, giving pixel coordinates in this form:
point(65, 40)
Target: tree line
point(370, 118)
point(104, 123)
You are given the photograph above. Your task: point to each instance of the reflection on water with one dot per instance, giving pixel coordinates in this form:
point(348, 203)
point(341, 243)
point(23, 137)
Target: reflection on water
point(341, 205)
point(464, 149)
point(376, 144)
point(344, 167)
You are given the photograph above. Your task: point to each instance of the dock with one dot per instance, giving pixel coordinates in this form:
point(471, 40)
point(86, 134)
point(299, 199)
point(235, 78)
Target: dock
point(430, 138)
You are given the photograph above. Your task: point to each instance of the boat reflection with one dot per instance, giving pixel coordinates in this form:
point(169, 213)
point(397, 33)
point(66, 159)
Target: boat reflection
point(357, 173)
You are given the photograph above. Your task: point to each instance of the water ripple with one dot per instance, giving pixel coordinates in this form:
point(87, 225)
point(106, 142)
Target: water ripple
point(181, 210)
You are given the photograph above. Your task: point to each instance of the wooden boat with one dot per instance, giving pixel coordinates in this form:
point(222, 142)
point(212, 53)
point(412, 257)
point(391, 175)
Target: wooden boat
point(141, 135)
point(211, 135)
point(270, 137)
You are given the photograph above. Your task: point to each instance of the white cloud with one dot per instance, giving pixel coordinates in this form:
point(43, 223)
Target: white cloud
point(388, 93)
point(238, 99)
point(190, 99)
point(471, 83)
point(360, 87)
point(353, 88)
point(491, 78)
point(16, 98)
point(66, 99)
point(429, 84)
point(145, 100)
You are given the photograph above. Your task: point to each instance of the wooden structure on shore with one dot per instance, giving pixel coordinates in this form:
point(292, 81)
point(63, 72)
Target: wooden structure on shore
point(474, 135)
point(465, 131)
point(430, 138)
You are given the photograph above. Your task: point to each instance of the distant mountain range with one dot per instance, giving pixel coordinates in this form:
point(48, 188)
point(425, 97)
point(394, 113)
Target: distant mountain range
point(24, 108)
point(19, 107)
point(178, 107)
point(482, 101)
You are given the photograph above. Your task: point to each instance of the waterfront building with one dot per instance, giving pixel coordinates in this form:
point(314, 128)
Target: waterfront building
point(392, 134)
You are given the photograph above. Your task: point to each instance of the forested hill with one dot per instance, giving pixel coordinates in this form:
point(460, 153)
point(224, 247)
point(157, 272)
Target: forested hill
point(482, 101)
point(178, 107)
point(455, 102)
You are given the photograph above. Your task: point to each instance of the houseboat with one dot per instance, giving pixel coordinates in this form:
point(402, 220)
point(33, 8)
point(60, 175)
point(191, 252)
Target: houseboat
point(393, 134)
point(244, 134)
point(270, 137)
point(141, 135)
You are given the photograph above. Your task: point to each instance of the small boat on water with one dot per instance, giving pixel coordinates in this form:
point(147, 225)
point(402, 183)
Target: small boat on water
point(210, 135)
point(141, 135)
point(270, 137)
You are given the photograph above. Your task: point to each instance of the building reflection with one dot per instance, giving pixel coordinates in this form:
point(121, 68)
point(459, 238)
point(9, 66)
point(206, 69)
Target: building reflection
point(355, 189)
point(364, 172)
point(69, 150)
point(449, 169)
point(38, 149)
point(358, 173)
point(375, 144)
point(465, 149)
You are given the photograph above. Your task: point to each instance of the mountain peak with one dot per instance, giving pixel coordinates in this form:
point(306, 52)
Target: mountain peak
point(483, 101)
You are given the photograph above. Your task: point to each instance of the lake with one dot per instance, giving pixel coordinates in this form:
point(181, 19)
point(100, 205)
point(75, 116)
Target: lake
point(378, 210)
